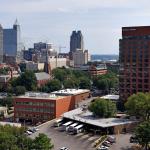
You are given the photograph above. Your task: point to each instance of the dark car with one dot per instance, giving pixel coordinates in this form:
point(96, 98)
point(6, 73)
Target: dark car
point(133, 139)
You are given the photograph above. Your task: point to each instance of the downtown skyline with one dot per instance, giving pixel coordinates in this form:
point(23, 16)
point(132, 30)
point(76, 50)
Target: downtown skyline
point(53, 21)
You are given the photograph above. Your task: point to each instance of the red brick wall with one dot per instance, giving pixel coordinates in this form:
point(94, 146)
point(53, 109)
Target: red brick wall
point(34, 116)
point(63, 105)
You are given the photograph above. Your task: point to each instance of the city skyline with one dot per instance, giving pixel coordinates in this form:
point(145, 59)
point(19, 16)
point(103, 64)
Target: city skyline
point(53, 21)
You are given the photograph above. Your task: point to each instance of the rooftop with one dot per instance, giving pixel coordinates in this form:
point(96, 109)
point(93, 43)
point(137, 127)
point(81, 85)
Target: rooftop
point(88, 118)
point(42, 76)
point(3, 108)
point(38, 95)
point(111, 97)
point(70, 91)
point(10, 123)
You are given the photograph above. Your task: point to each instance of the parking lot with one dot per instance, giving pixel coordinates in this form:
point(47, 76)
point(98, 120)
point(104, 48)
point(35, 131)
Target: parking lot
point(122, 142)
point(81, 141)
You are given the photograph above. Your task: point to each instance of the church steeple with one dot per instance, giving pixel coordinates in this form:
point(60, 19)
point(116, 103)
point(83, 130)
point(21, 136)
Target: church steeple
point(47, 66)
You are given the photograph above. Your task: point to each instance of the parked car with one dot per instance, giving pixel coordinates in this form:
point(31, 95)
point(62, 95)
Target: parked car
point(106, 144)
point(111, 139)
point(102, 147)
point(64, 148)
point(28, 132)
point(133, 139)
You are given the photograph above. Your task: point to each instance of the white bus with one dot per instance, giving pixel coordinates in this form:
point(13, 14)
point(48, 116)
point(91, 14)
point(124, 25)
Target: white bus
point(78, 129)
point(58, 122)
point(64, 126)
point(72, 126)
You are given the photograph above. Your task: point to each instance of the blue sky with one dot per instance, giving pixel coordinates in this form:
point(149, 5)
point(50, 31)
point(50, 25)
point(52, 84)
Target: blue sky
point(53, 20)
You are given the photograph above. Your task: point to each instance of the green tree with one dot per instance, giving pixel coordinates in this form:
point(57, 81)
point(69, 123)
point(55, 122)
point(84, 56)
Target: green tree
point(84, 83)
point(7, 141)
point(4, 71)
point(71, 83)
point(15, 81)
point(20, 90)
point(42, 142)
point(53, 85)
point(139, 105)
point(8, 101)
point(103, 108)
point(59, 74)
point(106, 82)
point(28, 80)
point(142, 133)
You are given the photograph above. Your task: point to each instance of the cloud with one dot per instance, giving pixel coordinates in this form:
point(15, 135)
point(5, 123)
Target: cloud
point(28, 6)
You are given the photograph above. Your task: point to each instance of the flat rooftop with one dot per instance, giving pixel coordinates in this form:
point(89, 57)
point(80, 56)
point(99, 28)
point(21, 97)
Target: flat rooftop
point(88, 118)
point(10, 123)
point(39, 95)
point(111, 97)
point(70, 91)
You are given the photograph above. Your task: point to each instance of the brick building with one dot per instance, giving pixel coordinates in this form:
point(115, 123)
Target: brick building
point(42, 78)
point(134, 57)
point(41, 107)
point(98, 70)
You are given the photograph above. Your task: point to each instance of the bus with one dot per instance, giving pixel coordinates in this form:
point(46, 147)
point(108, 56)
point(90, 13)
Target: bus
point(72, 126)
point(78, 129)
point(65, 126)
point(58, 122)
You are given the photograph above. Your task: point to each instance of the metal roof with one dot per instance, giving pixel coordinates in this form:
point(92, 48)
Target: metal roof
point(87, 117)
point(42, 76)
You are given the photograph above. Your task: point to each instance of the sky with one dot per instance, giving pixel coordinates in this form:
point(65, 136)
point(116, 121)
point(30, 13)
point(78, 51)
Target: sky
point(53, 21)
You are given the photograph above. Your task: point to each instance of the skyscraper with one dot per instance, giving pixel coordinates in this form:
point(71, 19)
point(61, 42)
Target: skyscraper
point(1, 44)
point(11, 40)
point(134, 57)
point(76, 42)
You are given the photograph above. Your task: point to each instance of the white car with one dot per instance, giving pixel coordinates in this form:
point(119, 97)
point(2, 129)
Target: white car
point(102, 147)
point(29, 132)
point(64, 148)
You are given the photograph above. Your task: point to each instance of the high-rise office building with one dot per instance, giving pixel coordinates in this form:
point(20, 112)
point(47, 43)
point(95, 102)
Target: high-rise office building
point(76, 42)
point(134, 57)
point(1, 44)
point(12, 41)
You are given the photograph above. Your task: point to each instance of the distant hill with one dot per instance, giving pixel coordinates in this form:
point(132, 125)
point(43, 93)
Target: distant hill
point(104, 57)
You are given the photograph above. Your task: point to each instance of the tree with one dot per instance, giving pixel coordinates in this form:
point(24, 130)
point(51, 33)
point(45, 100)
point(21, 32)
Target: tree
point(139, 105)
point(142, 133)
point(106, 82)
point(42, 142)
point(7, 141)
point(20, 90)
point(71, 83)
point(59, 74)
point(8, 101)
point(84, 83)
point(53, 85)
point(28, 80)
point(13, 138)
point(103, 108)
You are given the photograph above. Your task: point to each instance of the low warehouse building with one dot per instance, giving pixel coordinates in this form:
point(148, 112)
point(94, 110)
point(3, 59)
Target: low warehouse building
point(41, 107)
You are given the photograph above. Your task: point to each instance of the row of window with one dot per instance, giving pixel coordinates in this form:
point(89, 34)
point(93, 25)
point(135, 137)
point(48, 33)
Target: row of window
point(33, 116)
point(41, 110)
point(36, 103)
